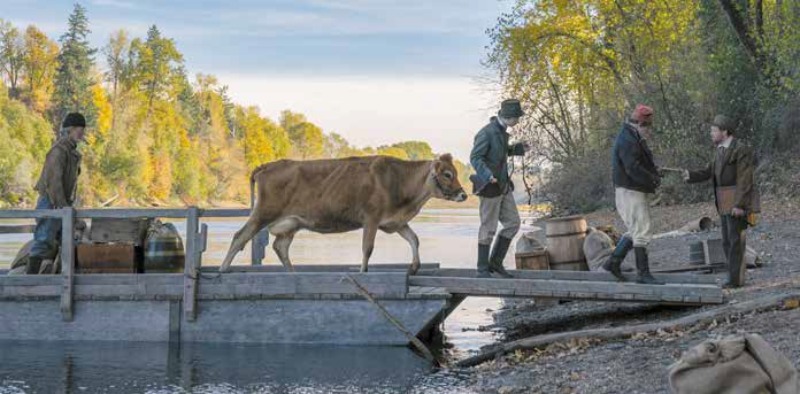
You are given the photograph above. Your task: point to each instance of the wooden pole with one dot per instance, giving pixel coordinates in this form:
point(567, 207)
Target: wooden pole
point(67, 262)
point(190, 269)
point(411, 337)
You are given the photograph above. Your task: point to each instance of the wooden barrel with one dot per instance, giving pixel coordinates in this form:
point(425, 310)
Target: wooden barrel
point(164, 252)
point(565, 238)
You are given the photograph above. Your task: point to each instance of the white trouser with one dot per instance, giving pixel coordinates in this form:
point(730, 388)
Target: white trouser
point(634, 208)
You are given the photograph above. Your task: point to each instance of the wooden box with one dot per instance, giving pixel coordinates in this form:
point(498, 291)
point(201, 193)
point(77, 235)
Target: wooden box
point(108, 258)
point(536, 260)
point(120, 230)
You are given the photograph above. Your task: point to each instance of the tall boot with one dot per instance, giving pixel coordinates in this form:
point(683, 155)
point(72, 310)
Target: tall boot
point(643, 266)
point(614, 263)
point(499, 251)
point(737, 270)
point(483, 261)
point(34, 264)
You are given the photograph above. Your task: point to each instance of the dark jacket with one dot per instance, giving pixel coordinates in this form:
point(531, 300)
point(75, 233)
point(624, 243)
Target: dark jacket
point(737, 170)
point(490, 153)
point(59, 178)
point(632, 162)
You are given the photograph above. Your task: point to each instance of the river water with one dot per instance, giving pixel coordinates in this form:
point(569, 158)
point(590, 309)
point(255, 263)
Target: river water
point(446, 236)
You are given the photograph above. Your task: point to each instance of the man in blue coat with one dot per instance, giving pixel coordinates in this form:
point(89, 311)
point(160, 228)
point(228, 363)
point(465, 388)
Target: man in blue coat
point(636, 179)
point(493, 186)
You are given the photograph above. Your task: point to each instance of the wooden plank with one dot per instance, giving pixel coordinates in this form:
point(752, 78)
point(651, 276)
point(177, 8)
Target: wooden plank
point(379, 283)
point(123, 213)
point(190, 268)
point(129, 213)
point(67, 262)
point(17, 228)
point(352, 268)
point(570, 289)
point(31, 291)
point(572, 275)
point(225, 213)
point(692, 268)
point(106, 279)
point(127, 279)
point(31, 280)
point(30, 213)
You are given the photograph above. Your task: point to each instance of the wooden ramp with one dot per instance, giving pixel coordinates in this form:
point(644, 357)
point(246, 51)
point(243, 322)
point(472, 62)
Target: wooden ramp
point(574, 285)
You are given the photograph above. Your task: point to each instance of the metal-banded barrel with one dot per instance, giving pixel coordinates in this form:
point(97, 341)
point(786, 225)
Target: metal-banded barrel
point(164, 251)
point(565, 238)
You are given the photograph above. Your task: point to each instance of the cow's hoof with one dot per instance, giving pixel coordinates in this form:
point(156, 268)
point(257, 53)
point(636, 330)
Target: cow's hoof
point(412, 270)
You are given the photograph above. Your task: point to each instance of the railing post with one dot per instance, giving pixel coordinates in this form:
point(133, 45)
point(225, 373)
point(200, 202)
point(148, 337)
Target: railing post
point(258, 245)
point(195, 245)
point(190, 274)
point(67, 261)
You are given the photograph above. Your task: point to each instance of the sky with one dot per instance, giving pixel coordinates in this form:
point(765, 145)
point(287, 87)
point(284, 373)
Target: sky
point(374, 71)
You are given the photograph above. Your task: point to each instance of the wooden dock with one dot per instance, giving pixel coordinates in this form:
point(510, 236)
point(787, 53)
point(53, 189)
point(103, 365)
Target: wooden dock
point(574, 285)
point(264, 304)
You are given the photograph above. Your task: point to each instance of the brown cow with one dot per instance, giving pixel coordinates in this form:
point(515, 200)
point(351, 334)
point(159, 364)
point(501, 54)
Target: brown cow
point(340, 195)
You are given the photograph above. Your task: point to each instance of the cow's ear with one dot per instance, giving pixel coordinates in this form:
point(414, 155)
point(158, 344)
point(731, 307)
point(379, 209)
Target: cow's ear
point(446, 157)
point(437, 165)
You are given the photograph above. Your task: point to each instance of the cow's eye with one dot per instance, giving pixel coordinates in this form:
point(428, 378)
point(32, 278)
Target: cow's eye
point(448, 175)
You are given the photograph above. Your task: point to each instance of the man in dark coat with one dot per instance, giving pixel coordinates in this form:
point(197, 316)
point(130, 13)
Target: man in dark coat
point(636, 178)
point(494, 188)
point(736, 197)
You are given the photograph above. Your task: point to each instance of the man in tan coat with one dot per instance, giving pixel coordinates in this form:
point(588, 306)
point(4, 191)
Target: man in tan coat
point(737, 200)
point(57, 186)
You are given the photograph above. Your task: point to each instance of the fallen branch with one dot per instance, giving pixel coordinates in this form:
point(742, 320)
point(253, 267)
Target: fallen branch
point(622, 332)
point(411, 337)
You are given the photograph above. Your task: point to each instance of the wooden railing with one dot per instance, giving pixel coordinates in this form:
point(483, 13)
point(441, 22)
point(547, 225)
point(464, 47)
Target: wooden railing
point(196, 241)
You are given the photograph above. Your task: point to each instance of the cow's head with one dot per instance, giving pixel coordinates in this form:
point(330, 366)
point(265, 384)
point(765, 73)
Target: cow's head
point(445, 176)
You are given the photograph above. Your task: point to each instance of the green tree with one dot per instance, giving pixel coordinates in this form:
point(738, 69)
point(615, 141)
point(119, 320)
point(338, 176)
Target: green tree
point(12, 56)
point(155, 61)
point(74, 78)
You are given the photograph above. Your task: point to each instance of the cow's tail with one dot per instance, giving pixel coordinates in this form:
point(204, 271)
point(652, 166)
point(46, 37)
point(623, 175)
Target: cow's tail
point(253, 184)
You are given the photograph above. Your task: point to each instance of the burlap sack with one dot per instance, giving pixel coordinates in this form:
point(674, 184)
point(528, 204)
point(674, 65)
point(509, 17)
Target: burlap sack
point(597, 247)
point(733, 365)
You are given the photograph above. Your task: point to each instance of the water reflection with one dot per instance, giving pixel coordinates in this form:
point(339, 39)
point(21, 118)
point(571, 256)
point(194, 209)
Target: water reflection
point(206, 368)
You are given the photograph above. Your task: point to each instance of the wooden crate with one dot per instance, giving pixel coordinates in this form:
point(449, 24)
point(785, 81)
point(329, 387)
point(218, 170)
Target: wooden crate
point(108, 258)
point(536, 260)
point(120, 230)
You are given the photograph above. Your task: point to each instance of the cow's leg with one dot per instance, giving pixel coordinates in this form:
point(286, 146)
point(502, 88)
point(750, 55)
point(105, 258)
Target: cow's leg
point(240, 239)
point(368, 243)
point(281, 247)
point(408, 234)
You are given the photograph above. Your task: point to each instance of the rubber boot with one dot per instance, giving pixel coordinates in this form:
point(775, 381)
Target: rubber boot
point(643, 266)
point(499, 251)
point(34, 264)
point(614, 263)
point(483, 261)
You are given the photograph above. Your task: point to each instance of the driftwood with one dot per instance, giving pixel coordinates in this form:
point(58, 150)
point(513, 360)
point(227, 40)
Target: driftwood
point(626, 331)
point(411, 337)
